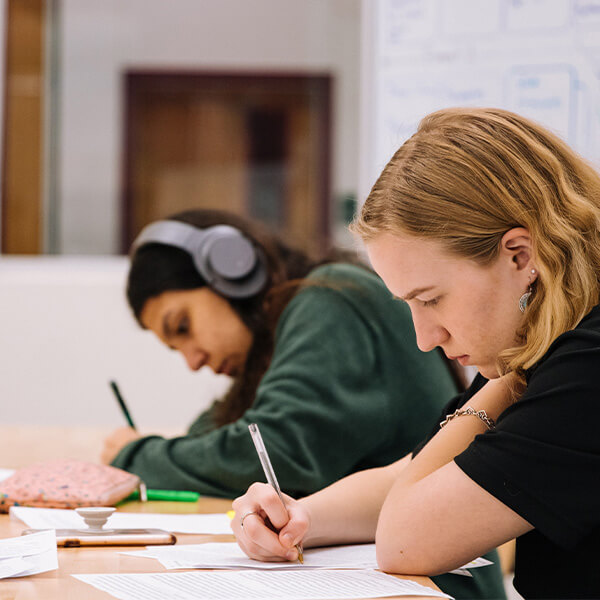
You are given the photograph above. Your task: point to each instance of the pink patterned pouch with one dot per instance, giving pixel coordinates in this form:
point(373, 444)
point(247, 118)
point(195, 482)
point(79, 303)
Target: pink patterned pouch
point(66, 483)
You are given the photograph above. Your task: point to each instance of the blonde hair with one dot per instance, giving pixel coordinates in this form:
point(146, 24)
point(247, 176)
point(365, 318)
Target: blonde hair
point(466, 177)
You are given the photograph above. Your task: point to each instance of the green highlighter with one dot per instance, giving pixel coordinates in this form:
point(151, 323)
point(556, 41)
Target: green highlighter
point(167, 495)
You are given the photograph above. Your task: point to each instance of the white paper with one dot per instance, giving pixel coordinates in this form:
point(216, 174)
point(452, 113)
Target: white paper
point(37, 551)
point(478, 562)
point(57, 518)
point(231, 556)
point(257, 585)
point(12, 567)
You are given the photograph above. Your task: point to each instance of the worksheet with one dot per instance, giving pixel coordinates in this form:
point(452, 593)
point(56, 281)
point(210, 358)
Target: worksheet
point(228, 555)
point(256, 585)
point(28, 554)
point(57, 518)
point(231, 556)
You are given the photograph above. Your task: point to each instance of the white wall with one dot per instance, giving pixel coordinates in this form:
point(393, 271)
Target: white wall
point(2, 81)
point(66, 331)
point(101, 39)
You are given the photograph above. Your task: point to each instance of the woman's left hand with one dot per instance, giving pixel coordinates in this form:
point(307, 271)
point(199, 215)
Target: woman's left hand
point(116, 441)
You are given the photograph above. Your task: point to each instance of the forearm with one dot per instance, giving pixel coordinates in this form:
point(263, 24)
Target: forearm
point(184, 463)
point(347, 511)
point(450, 441)
point(459, 432)
point(335, 520)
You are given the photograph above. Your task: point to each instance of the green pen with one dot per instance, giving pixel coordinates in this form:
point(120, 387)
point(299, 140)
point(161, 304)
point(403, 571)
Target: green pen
point(167, 495)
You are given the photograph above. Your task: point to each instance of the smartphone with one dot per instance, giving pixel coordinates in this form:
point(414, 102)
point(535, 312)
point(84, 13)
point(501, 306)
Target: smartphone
point(74, 538)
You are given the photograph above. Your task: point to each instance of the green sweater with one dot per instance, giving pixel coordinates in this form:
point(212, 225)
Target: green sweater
point(347, 389)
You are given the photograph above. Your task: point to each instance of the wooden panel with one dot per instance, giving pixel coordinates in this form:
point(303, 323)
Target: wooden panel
point(22, 185)
point(192, 142)
point(191, 154)
point(302, 223)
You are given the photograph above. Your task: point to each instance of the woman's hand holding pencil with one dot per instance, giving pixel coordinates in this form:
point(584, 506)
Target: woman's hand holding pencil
point(278, 523)
point(261, 507)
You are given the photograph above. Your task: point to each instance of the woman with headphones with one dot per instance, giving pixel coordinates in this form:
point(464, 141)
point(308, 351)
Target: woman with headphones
point(322, 358)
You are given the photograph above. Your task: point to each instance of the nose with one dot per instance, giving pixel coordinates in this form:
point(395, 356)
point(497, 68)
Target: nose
point(429, 333)
point(194, 357)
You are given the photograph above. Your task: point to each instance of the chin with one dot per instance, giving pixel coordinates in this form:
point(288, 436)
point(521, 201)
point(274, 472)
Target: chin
point(489, 372)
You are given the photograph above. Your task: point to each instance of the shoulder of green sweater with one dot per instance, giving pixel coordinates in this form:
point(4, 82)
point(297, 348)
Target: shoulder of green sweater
point(332, 288)
point(341, 291)
point(358, 285)
point(345, 273)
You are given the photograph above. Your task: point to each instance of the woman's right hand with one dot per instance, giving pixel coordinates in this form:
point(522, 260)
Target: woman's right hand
point(261, 507)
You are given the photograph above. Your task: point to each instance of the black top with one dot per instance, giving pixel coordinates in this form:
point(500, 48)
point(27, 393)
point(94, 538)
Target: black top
point(543, 461)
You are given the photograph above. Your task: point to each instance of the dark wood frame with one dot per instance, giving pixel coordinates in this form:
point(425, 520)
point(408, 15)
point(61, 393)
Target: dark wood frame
point(136, 81)
point(23, 128)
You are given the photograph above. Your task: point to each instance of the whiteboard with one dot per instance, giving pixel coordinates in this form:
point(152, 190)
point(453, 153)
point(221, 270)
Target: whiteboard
point(539, 58)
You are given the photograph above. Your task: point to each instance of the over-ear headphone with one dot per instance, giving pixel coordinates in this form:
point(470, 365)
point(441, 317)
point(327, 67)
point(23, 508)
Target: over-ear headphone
point(229, 262)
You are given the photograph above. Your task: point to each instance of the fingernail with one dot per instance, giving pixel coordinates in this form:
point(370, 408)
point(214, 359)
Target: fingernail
point(291, 555)
point(286, 538)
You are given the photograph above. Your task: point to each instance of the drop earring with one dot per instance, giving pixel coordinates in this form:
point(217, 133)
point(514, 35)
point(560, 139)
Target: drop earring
point(525, 297)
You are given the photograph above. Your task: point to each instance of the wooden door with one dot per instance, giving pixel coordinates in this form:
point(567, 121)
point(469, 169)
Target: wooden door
point(254, 145)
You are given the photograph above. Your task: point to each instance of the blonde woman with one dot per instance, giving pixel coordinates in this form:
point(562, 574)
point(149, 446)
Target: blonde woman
point(487, 226)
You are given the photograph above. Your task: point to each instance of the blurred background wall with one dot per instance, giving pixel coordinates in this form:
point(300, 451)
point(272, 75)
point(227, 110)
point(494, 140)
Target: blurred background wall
point(119, 112)
point(102, 42)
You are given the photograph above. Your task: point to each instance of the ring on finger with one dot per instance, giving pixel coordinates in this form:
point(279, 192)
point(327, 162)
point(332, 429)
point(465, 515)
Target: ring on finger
point(247, 514)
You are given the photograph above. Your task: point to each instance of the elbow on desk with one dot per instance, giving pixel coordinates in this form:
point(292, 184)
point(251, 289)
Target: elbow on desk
point(399, 554)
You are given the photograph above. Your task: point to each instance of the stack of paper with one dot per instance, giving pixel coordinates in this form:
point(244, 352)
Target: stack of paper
point(28, 554)
point(230, 556)
point(257, 585)
point(57, 518)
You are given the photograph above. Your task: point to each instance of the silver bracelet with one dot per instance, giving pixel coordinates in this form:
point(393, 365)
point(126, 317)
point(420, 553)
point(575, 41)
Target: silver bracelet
point(469, 410)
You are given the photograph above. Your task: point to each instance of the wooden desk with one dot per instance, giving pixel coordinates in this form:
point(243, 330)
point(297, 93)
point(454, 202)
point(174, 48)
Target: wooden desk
point(22, 445)
point(59, 585)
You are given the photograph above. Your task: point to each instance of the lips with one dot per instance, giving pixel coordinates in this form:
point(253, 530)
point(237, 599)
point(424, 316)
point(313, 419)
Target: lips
point(463, 359)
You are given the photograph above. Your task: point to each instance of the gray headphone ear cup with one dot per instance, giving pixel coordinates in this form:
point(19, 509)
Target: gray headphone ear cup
point(232, 256)
point(230, 263)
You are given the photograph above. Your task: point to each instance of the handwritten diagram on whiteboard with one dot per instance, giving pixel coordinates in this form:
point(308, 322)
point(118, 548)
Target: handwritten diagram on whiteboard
point(540, 58)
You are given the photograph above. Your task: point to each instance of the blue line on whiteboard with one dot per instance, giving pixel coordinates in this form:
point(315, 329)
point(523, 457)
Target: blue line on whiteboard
point(539, 91)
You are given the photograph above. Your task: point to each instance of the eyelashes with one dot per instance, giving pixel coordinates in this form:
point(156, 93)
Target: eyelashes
point(182, 327)
point(424, 303)
point(431, 302)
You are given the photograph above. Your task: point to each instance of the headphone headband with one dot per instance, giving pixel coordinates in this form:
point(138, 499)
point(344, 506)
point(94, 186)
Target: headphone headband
point(229, 262)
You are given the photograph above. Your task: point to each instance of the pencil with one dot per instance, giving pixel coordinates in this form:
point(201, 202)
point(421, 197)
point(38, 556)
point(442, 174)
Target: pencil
point(115, 389)
point(265, 461)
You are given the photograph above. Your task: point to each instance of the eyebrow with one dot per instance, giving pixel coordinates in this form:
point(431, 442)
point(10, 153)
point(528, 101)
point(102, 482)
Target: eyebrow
point(415, 292)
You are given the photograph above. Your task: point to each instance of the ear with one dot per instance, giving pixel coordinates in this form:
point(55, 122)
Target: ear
point(517, 246)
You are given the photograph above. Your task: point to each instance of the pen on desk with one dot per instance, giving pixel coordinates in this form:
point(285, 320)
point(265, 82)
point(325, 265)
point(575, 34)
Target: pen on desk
point(167, 495)
point(115, 389)
point(269, 473)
